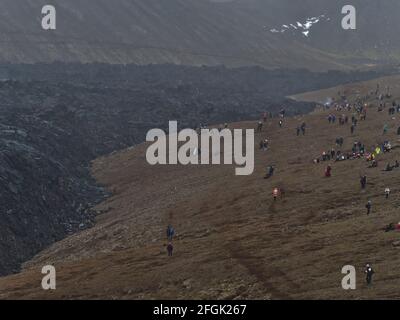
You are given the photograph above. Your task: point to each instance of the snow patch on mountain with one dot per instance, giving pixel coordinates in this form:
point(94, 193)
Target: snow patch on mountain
point(304, 28)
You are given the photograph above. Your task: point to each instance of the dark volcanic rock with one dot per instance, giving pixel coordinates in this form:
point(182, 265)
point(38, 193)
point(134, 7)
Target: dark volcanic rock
point(54, 119)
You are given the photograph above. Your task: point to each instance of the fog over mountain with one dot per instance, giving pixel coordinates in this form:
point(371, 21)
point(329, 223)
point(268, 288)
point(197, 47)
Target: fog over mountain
point(197, 32)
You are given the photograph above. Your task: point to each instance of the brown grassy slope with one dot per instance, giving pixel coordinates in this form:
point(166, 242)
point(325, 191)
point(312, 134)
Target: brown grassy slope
point(352, 90)
point(233, 241)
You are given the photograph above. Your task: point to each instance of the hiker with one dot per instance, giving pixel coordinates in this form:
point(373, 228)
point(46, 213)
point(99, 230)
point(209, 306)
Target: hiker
point(387, 193)
point(265, 116)
point(170, 233)
point(374, 164)
point(328, 171)
point(340, 157)
point(387, 146)
point(369, 273)
point(363, 181)
point(280, 123)
point(303, 128)
point(170, 248)
point(259, 126)
point(339, 141)
point(275, 193)
point(385, 129)
point(368, 206)
point(390, 227)
point(270, 172)
point(364, 115)
point(388, 167)
point(264, 145)
point(354, 148)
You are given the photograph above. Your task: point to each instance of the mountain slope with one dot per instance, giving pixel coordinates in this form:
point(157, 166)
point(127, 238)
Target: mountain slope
point(56, 118)
point(233, 240)
point(195, 32)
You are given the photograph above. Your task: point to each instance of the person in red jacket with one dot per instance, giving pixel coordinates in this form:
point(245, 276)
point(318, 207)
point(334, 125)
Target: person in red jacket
point(328, 171)
point(275, 193)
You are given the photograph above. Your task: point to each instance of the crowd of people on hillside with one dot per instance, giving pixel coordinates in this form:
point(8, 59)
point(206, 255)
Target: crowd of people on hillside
point(351, 114)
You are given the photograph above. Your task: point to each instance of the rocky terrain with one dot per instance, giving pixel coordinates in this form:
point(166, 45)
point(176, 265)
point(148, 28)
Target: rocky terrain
point(55, 119)
point(233, 240)
point(77, 102)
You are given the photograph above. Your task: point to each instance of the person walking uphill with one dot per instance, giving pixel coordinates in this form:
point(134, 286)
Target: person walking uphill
point(170, 233)
point(369, 273)
point(170, 248)
point(363, 182)
point(259, 126)
point(303, 128)
point(328, 171)
point(387, 193)
point(385, 129)
point(275, 193)
point(368, 206)
point(270, 172)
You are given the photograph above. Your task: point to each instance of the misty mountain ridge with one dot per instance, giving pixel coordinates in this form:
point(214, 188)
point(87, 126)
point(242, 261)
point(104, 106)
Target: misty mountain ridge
point(201, 32)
